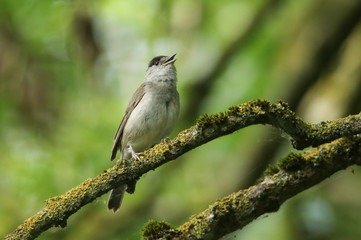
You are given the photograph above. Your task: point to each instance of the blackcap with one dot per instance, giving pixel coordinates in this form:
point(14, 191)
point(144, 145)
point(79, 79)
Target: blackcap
point(151, 116)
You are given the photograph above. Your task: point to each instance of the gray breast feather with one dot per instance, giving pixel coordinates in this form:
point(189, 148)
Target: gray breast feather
point(152, 120)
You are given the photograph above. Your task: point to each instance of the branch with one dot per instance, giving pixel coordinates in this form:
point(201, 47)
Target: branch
point(58, 209)
point(294, 174)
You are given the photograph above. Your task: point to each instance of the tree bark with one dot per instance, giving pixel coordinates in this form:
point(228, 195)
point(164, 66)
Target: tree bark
point(293, 175)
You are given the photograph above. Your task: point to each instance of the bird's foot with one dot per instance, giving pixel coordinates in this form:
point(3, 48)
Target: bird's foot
point(136, 155)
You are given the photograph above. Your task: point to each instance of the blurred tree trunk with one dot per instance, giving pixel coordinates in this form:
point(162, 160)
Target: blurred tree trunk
point(317, 46)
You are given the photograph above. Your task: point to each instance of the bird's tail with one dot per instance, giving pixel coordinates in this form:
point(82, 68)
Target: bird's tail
point(116, 198)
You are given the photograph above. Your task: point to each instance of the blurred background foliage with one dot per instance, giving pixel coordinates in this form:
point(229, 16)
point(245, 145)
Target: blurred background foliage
point(68, 69)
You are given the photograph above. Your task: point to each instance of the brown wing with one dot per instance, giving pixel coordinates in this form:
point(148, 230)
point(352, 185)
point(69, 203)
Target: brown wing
point(137, 96)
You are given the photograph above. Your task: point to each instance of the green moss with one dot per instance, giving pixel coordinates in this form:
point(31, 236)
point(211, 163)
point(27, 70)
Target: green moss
point(156, 230)
point(283, 104)
point(233, 109)
point(292, 162)
point(203, 121)
point(271, 170)
point(208, 120)
point(259, 180)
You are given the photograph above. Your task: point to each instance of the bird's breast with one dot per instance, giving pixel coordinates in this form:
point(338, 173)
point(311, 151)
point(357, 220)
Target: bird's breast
point(152, 120)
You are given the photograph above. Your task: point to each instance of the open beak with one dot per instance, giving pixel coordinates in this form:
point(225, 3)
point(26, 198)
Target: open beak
point(170, 60)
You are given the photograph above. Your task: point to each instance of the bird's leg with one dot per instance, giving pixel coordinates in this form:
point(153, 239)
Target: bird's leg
point(134, 154)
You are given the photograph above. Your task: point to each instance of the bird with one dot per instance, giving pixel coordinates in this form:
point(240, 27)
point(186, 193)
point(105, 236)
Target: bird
point(150, 117)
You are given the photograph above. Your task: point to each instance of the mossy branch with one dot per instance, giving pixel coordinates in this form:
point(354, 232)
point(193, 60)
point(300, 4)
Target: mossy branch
point(58, 209)
point(293, 174)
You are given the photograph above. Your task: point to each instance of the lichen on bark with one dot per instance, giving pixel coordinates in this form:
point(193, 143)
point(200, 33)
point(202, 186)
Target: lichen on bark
point(58, 209)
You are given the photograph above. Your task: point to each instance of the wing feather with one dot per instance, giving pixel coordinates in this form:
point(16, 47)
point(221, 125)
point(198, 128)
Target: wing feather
point(137, 96)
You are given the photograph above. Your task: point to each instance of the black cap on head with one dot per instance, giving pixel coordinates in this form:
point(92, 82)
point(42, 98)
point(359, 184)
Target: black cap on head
point(155, 61)
point(164, 60)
